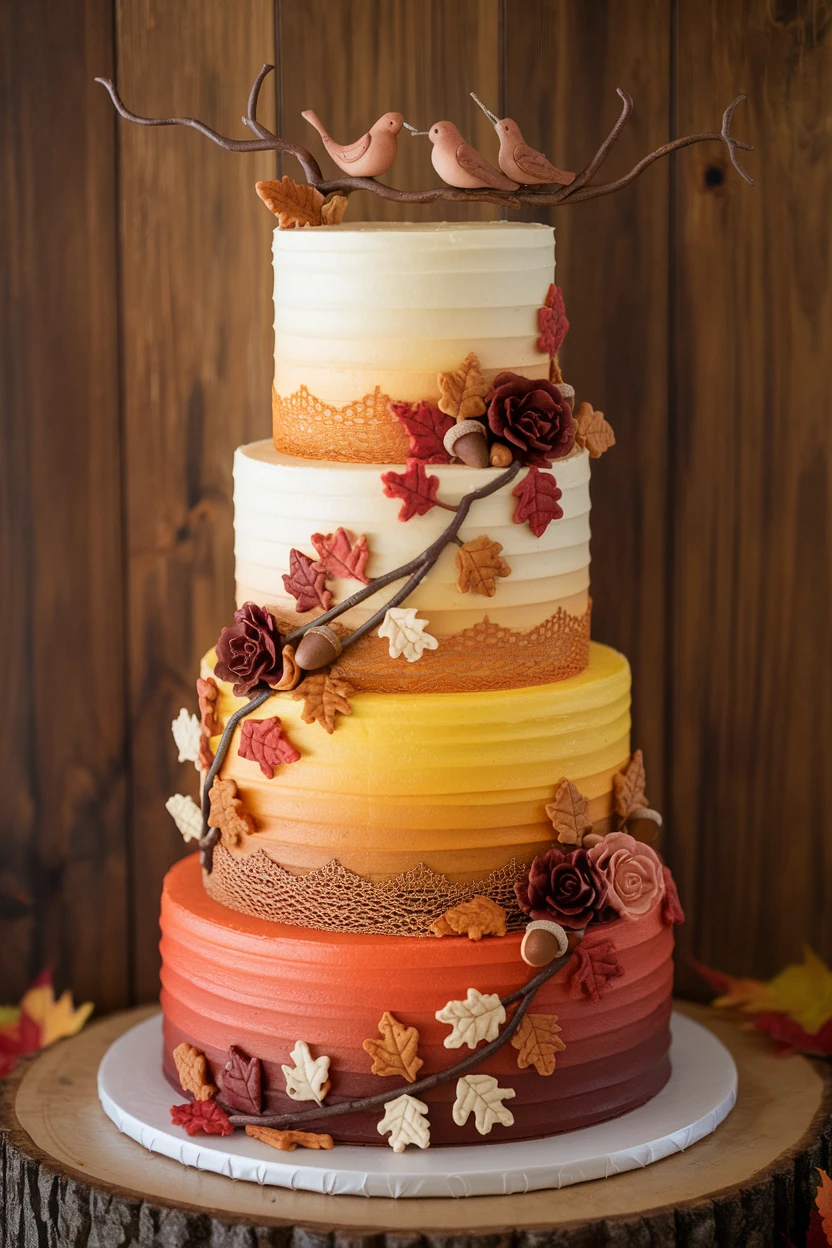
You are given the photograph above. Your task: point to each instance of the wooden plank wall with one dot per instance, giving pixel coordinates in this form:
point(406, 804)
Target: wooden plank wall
point(135, 339)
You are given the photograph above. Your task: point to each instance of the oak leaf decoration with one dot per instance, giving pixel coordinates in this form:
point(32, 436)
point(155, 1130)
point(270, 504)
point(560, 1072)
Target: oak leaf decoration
point(192, 1069)
point(463, 392)
point(475, 918)
point(205, 1116)
point(306, 582)
point(426, 427)
point(482, 1096)
point(292, 674)
point(628, 788)
point(293, 203)
point(396, 1053)
point(592, 431)
point(206, 754)
point(186, 730)
point(593, 968)
point(478, 564)
point(263, 741)
point(332, 212)
point(405, 1119)
point(568, 813)
point(186, 815)
point(241, 1082)
point(672, 911)
point(207, 692)
point(325, 695)
point(414, 487)
point(552, 322)
point(308, 1079)
point(537, 1041)
point(406, 634)
point(537, 501)
point(341, 558)
point(476, 1018)
point(288, 1141)
point(228, 813)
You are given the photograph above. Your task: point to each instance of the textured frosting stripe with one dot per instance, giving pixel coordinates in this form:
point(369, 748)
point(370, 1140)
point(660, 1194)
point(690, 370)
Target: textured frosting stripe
point(280, 501)
point(458, 781)
point(229, 979)
point(366, 305)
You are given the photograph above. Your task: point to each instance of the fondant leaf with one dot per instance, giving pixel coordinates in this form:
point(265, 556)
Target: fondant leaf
point(241, 1082)
point(229, 814)
point(463, 392)
point(186, 731)
point(396, 1052)
point(307, 1080)
point(628, 787)
point(325, 695)
point(192, 1069)
point(426, 427)
point(552, 322)
point(205, 1116)
point(592, 431)
point(406, 634)
point(537, 501)
point(475, 918)
point(482, 1096)
point(263, 741)
point(478, 564)
point(538, 1040)
point(293, 203)
point(341, 558)
point(568, 813)
point(288, 1141)
point(414, 487)
point(306, 582)
point(186, 815)
point(476, 1018)
point(593, 968)
point(406, 1121)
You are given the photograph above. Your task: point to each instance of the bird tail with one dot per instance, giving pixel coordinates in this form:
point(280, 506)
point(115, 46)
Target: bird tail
point(314, 120)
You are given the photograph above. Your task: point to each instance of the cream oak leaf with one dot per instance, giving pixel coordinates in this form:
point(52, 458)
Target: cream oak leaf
point(186, 730)
point(406, 634)
point(308, 1079)
point(476, 1018)
point(406, 1120)
point(186, 815)
point(482, 1096)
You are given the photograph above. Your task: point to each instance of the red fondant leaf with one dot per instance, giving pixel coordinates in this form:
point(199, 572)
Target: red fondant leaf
point(339, 557)
point(262, 741)
point(672, 911)
point(594, 968)
point(552, 322)
point(306, 582)
point(426, 427)
point(537, 501)
point(241, 1082)
point(414, 487)
point(205, 1116)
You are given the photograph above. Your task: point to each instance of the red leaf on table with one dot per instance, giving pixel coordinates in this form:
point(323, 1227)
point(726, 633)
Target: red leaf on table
point(241, 1082)
point(205, 1116)
point(816, 1236)
point(790, 1037)
point(537, 496)
point(414, 487)
point(823, 1201)
point(306, 582)
point(426, 428)
point(339, 557)
point(552, 322)
point(594, 967)
point(262, 741)
point(672, 911)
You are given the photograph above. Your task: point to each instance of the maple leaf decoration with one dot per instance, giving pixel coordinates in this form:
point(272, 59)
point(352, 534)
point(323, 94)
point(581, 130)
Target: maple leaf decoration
point(481, 1095)
point(426, 427)
point(229, 814)
point(476, 1018)
point(672, 911)
point(463, 392)
point(538, 1041)
point(592, 431)
point(552, 322)
point(628, 788)
point(241, 1082)
point(288, 1141)
point(325, 695)
point(396, 1053)
point(414, 487)
point(201, 1116)
point(263, 741)
point(537, 501)
point(291, 202)
point(405, 1118)
point(306, 582)
point(332, 212)
point(568, 813)
point(475, 918)
point(192, 1069)
point(593, 969)
point(340, 558)
point(478, 564)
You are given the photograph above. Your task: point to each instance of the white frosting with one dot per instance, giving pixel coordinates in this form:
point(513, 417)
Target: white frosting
point(280, 501)
point(392, 304)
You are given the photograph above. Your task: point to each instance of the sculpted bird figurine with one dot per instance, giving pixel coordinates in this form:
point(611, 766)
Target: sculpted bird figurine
point(519, 161)
point(370, 155)
point(460, 164)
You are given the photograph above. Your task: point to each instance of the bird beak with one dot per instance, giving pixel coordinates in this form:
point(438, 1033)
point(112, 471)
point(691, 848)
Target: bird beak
point(495, 121)
point(414, 132)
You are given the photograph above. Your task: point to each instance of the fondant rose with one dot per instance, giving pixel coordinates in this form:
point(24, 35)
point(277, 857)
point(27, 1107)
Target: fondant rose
point(633, 872)
point(533, 417)
point(249, 653)
point(566, 888)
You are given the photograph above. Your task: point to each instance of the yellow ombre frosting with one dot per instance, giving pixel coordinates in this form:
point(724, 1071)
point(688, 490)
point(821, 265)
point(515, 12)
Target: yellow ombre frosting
point(458, 781)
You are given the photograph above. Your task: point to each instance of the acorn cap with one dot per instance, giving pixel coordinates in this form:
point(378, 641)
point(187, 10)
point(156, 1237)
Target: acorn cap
point(543, 942)
point(318, 647)
point(467, 441)
point(568, 392)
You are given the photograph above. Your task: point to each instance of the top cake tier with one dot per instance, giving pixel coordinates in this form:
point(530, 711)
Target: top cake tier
point(371, 313)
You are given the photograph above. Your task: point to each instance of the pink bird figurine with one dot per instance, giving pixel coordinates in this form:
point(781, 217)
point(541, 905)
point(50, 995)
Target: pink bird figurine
point(519, 161)
point(370, 155)
point(460, 164)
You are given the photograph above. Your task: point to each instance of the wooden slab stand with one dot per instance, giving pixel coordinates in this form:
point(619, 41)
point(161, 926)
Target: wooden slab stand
point(67, 1178)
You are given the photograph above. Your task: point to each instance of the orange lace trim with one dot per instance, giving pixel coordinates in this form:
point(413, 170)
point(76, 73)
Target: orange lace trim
point(334, 899)
point(362, 432)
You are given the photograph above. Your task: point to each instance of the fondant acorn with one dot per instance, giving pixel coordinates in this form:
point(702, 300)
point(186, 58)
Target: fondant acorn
point(318, 647)
point(467, 441)
point(543, 942)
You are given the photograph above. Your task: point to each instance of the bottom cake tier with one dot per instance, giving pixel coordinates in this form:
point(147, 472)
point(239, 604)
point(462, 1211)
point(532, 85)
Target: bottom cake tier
point(229, 979)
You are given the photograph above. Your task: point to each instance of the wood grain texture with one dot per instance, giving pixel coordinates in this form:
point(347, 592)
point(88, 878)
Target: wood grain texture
point(750, 673)
point(62, 733)
point(196, 316)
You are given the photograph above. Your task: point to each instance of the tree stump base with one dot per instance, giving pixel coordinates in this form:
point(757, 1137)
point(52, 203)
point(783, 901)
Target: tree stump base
point(68, 1178)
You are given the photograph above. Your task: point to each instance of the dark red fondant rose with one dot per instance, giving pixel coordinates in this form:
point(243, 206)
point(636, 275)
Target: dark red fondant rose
point(533, 417)
point(250, 652)
point(565, 888)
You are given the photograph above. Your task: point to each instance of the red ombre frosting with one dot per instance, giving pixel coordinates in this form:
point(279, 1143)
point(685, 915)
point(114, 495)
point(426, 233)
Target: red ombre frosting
point(232, 979)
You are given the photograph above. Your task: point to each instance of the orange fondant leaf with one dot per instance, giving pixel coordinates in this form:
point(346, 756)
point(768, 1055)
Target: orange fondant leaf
point(568, 813)
point(325, 695)
point(192, 1069)
point(475, 918)
point(291, 202)
point(463, 391)
point(628, 787)
point(229, 814)
point(478, 564)
point(288, 1141)
point(396, 1053)
point(538, 1041)
point(592, 431)
point(206, 692)
point(332, 212)
point(823, 1201)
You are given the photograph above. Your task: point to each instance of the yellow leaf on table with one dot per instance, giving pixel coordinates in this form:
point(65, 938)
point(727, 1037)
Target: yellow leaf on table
point(56, 1019)
point(803, 992)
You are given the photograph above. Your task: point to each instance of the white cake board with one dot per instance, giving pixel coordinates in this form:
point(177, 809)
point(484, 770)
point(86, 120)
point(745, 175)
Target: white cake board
point(700, 1093)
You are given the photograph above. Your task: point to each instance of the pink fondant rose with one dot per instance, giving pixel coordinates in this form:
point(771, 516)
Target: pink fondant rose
point(566, 888)
point(632, 871)
point(250, 652)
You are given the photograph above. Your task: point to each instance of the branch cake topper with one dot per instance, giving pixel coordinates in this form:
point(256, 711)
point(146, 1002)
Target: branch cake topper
point(469, 177)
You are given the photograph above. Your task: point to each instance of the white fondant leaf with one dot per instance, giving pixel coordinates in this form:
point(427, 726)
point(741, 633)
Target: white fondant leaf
point(186, 815)
point(406, 1120)
point(406, 634)
point(476, 1018)
point(186, 730)
point(307, 1080)
point(481, 1095)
